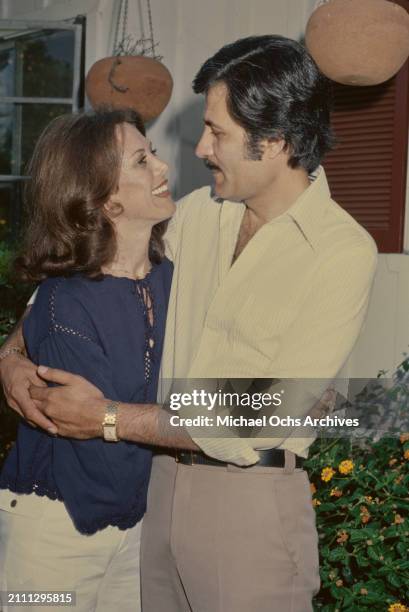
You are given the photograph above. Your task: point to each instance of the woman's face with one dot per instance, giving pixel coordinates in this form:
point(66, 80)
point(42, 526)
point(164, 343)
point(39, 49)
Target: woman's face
point(143, 183)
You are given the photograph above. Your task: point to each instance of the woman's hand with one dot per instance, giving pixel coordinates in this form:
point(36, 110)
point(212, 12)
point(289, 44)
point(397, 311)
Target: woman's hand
point(76, 408)
point(17, 374)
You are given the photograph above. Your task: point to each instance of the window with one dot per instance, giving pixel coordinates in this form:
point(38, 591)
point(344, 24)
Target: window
point(40, 78)
point(367, 170)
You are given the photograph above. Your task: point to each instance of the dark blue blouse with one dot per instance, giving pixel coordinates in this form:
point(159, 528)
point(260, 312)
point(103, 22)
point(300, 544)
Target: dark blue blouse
point(100, 329)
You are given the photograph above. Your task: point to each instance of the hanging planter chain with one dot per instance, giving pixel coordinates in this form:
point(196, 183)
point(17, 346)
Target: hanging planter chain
point(126, 46)
point(151, 29)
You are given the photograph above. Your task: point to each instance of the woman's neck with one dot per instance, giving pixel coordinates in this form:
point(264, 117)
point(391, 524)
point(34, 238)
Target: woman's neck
point(132, 255)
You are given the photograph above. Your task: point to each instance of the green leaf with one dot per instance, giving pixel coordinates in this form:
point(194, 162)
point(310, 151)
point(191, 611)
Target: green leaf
point(327, 507)
point(348, 599)
point(337, 554)
point(362, 561)
point(365, 533)
point(373, 553)
point(394, 580)
point(402, 549)
point(338, 593)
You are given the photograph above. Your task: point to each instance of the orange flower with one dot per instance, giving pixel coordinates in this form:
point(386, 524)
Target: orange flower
point(335, 492)
point(398, 519)
point(365, 516)
point(346, 466)
point(404, 438)
point(392, 462)
point(313, 488)
point(406, 453)
point(327, 473)
point(342, 537)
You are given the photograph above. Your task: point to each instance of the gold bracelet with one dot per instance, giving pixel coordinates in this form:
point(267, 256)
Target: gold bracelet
point(9, 351)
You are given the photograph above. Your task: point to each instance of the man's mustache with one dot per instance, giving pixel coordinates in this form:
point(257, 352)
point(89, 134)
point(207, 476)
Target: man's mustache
point(210, 166)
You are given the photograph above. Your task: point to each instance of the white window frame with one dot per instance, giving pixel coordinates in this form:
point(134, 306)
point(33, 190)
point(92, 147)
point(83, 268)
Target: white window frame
point(18, 28)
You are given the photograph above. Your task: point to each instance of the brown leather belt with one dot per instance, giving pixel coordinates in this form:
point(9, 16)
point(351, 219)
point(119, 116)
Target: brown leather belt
point(272, 457)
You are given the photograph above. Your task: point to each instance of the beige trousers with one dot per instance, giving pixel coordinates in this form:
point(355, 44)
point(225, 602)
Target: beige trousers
point(228, 539)
point(40, 550)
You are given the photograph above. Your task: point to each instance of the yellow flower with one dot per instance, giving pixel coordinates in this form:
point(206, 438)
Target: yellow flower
point(368, 499)
point(392, 462)
point(404, 438)
point(327, 473)
point(397, 607)
point(339, 582)
point(335, 492)
point(316, 502)
point(406, 454)
point(346, 466)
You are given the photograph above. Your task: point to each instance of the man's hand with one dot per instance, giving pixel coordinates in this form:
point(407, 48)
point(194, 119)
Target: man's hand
point(17, 373)
point(325, 404)
point(76, 408)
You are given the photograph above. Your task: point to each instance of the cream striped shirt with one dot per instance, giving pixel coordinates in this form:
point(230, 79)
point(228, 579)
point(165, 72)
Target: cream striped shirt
point(291, 306)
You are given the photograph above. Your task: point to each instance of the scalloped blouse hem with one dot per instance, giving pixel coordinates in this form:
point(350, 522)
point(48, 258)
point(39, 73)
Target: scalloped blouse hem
point(84, 527)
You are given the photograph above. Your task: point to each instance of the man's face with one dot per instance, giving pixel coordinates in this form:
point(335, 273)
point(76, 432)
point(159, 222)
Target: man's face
point(223, 147)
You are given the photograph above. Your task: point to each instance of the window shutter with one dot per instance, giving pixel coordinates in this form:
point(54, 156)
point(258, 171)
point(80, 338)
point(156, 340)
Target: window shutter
point(367, 169)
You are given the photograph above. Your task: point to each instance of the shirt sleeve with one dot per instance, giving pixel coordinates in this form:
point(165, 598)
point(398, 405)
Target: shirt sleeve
point(315, 347)
point(72, 343)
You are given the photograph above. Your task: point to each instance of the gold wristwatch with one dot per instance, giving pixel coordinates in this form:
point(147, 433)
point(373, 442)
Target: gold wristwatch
point(109, 422)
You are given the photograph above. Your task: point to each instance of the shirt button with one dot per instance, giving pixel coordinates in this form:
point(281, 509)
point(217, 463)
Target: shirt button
point(13, 503)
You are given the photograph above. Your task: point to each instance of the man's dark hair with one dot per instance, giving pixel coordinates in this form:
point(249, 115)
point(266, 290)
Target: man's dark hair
point(275, 91)
point(73, 172)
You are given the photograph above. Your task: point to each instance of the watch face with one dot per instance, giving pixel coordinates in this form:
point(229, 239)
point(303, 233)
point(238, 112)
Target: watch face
point(110, 433)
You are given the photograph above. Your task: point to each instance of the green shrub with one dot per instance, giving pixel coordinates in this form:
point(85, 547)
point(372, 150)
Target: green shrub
point(360, 494)
point(13, 298)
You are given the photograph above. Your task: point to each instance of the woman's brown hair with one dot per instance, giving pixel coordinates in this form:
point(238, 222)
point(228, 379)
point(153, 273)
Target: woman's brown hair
point(73, 171)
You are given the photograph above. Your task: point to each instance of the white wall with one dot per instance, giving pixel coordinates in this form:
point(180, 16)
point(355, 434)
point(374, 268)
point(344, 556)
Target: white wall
point(189, 31)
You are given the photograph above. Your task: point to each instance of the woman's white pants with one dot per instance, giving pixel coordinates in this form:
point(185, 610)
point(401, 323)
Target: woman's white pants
point(40, 550)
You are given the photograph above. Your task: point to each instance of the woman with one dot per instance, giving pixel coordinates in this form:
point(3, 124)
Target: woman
point(70, 511)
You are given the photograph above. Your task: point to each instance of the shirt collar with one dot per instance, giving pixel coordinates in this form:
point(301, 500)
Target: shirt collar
point(308, 210)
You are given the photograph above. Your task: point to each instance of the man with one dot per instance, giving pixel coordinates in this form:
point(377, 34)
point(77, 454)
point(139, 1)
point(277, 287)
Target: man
point(272, 281)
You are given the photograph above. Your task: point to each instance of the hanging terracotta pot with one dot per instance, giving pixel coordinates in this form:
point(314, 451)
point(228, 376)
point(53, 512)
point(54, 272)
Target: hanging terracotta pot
point(359, 42)
point(132, 81)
